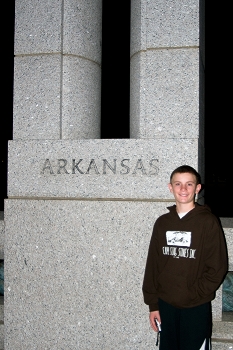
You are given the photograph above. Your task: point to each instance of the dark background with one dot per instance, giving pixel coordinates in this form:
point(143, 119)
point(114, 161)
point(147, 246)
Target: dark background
point(7, 61)
point(115, 98)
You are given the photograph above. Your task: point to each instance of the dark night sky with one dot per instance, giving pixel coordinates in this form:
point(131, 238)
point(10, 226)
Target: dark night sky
point(115, 90)
point(7, 60)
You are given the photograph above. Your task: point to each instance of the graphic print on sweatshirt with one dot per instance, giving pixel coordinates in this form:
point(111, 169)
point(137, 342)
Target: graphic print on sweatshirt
point(178, 245)
point(179, 238)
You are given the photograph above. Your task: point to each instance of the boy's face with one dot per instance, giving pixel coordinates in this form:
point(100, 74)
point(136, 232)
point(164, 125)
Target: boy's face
point(184, 187)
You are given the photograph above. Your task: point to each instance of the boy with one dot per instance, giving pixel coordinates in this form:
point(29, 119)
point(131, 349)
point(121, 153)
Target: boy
point(186, 263)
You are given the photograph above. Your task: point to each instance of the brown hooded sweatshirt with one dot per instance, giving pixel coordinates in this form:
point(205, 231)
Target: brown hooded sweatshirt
point(187, 259)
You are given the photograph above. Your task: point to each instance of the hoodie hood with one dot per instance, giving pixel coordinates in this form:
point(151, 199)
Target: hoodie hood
point(193, 212)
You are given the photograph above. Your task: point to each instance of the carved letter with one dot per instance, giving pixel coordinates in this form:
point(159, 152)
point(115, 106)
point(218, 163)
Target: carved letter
point(76, 166)
point(106, 163)
point(92, 165)
point(139, 166)
point(47, 165)
point(154, 166)
point(62, 166)
point(125, 166)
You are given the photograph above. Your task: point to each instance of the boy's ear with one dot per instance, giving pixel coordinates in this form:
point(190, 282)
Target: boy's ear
point(170, 187)
point(198, 188)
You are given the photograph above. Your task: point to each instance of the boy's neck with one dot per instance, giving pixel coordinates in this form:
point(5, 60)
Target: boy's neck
point(184, 208)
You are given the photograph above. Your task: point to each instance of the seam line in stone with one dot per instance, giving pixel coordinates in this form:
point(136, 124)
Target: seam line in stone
point(61, 78)
point(57, 53)
point(94, 199)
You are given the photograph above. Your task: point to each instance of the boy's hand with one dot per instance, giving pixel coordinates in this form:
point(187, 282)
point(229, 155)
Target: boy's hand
point(152, 316)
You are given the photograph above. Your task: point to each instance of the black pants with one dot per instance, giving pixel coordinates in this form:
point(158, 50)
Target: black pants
point(184, 329)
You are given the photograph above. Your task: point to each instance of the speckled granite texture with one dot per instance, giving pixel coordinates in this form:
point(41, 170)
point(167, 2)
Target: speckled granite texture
point(57, 69)
point(164, 94)
point(161, 23)
point(81, 99)
point(1, 308)
point(82, 34)
point(39, 25)
point(2, 230)
point(1, 336)
point(229, 237)
point(223, 330)
point(227, 222)
point(217, 305)
point(140, 168)
point(164, 97)
point(37, 97)
point(222, 345)
point(74, 273)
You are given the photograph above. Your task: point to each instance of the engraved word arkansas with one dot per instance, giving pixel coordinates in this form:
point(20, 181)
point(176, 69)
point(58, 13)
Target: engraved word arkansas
point(101, 167)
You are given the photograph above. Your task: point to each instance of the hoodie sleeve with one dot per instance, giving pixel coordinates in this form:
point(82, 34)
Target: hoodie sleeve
point(216, 260)
point(149, 287)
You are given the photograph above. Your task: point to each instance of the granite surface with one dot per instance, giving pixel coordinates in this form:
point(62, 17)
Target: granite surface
point(217, 305)
point(164, 94)
point(223, 329)
point(1, 308)
point(138, 89)
point(2, 231)
point(57, 77)
point(83, 28)
point(227, 222)
point(37, 26)
point(125, 169)
point(138, 28)
point(48, 105)
point(81, 100)
point(80, 265)
point(222, 345)
point(229, 239)
point(161, 23)
point(164, 78)
point(37, 98)
point(61, 26)
point(1, 336)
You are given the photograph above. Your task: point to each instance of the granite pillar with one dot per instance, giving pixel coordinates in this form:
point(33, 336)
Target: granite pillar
point(165, 69)
point(165, 66)
point(57, 70)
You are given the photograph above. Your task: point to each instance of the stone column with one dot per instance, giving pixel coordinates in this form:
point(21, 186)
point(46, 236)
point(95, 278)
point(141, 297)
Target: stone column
point(165, 71)
point(57, 69)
